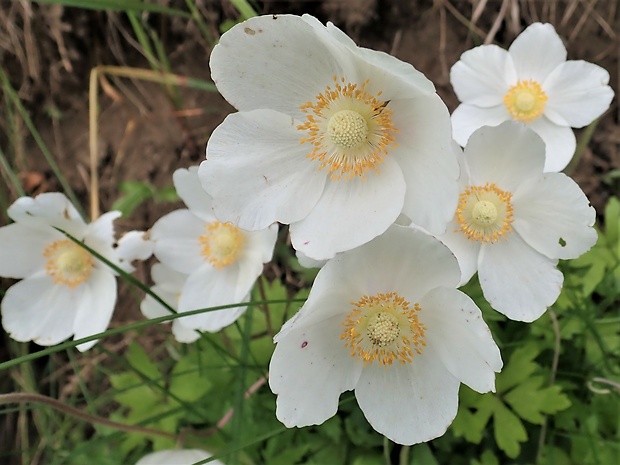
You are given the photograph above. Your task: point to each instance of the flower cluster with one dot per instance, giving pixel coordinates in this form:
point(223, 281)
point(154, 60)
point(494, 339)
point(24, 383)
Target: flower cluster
point(354, 151)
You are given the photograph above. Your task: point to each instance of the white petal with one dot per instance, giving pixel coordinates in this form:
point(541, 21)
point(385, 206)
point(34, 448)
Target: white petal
point(257, 171)
point(309, 370)
point(100, 233)
point(276, 63)
point(398, 79)
point(467, 118)
point(133, 245)
point(465, 250)
point(459, 336)
point(37, 309)
point(99, 236)
point(483, 75)
point(518, 281)
point(428, 161)
point(151, 308)
point(21, 249)
point(188, 187)
point(409, 403)
point(351, 212)
point(209, 287)
point(167, 279)
point(507, 155)
point(578, 93)
point(308, 262)
point(176, 241)
point(554, 216)
point(326, 300)
point(184, 334)
point(259, 245)
point(94, 315)
point(401, 260)
point(50, 208)
point(560, 143)
point(537, 51)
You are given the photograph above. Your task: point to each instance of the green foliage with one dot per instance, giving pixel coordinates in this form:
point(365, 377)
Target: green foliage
point(520, 397)
point(134, 193)
point(145, 391)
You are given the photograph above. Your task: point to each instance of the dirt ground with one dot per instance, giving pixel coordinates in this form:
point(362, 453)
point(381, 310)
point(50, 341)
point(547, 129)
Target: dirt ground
point(144, 137)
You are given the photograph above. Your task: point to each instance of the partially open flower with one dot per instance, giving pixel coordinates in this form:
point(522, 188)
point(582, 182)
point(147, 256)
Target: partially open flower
point(532, 83)
point(221, 260)
point(333, 139)
point(514, 222)
point(168, 287)
point(386, 321)
point(65, 291)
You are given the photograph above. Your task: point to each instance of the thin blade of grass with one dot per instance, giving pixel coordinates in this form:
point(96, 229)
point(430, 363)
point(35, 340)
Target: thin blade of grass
point(12, 95)
point(119, 5)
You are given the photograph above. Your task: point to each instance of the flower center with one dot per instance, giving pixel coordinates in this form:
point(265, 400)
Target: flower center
point(349, 129)
point(68, 263)
point(383, 328)
point(221, 243)
point(525, 101)
point(484, 213)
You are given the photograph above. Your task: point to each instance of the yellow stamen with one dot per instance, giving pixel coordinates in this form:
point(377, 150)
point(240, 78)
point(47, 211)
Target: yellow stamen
point(525, 101)
point(383, 329)
point(484, 213)
point(68, 263)
point(221, 243)
point(350, 130)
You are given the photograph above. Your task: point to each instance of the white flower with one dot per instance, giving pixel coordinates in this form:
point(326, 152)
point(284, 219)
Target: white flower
point(514, 222)
point(333, 139)
point(65, 291)
point(531, 82)
point(168, 286)
point(386, 321)
point(176, 457)
point(222, 261)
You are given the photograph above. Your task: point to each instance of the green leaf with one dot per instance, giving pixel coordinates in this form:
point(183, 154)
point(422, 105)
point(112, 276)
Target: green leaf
point(531, 402)
point(140, 361)
point(360, 432)
point(612, 221)
point(520, 367)
point(187, 383)
point(120, 5)
point(509, 431)
point(369, 459)
point(474, 412)
point(487, 458)
point(421, 454)
point(134, 193)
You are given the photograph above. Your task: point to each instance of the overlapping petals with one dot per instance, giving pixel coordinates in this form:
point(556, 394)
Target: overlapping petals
point(221, 262)
point(65, 291)
point(413, 399)
point(286, 156)
point(555, 95)
point(547, 217)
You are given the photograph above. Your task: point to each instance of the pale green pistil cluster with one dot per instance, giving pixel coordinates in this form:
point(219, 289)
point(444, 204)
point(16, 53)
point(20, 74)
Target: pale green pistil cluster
point(382, 329)
point(348, 129)
point(484, 212)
